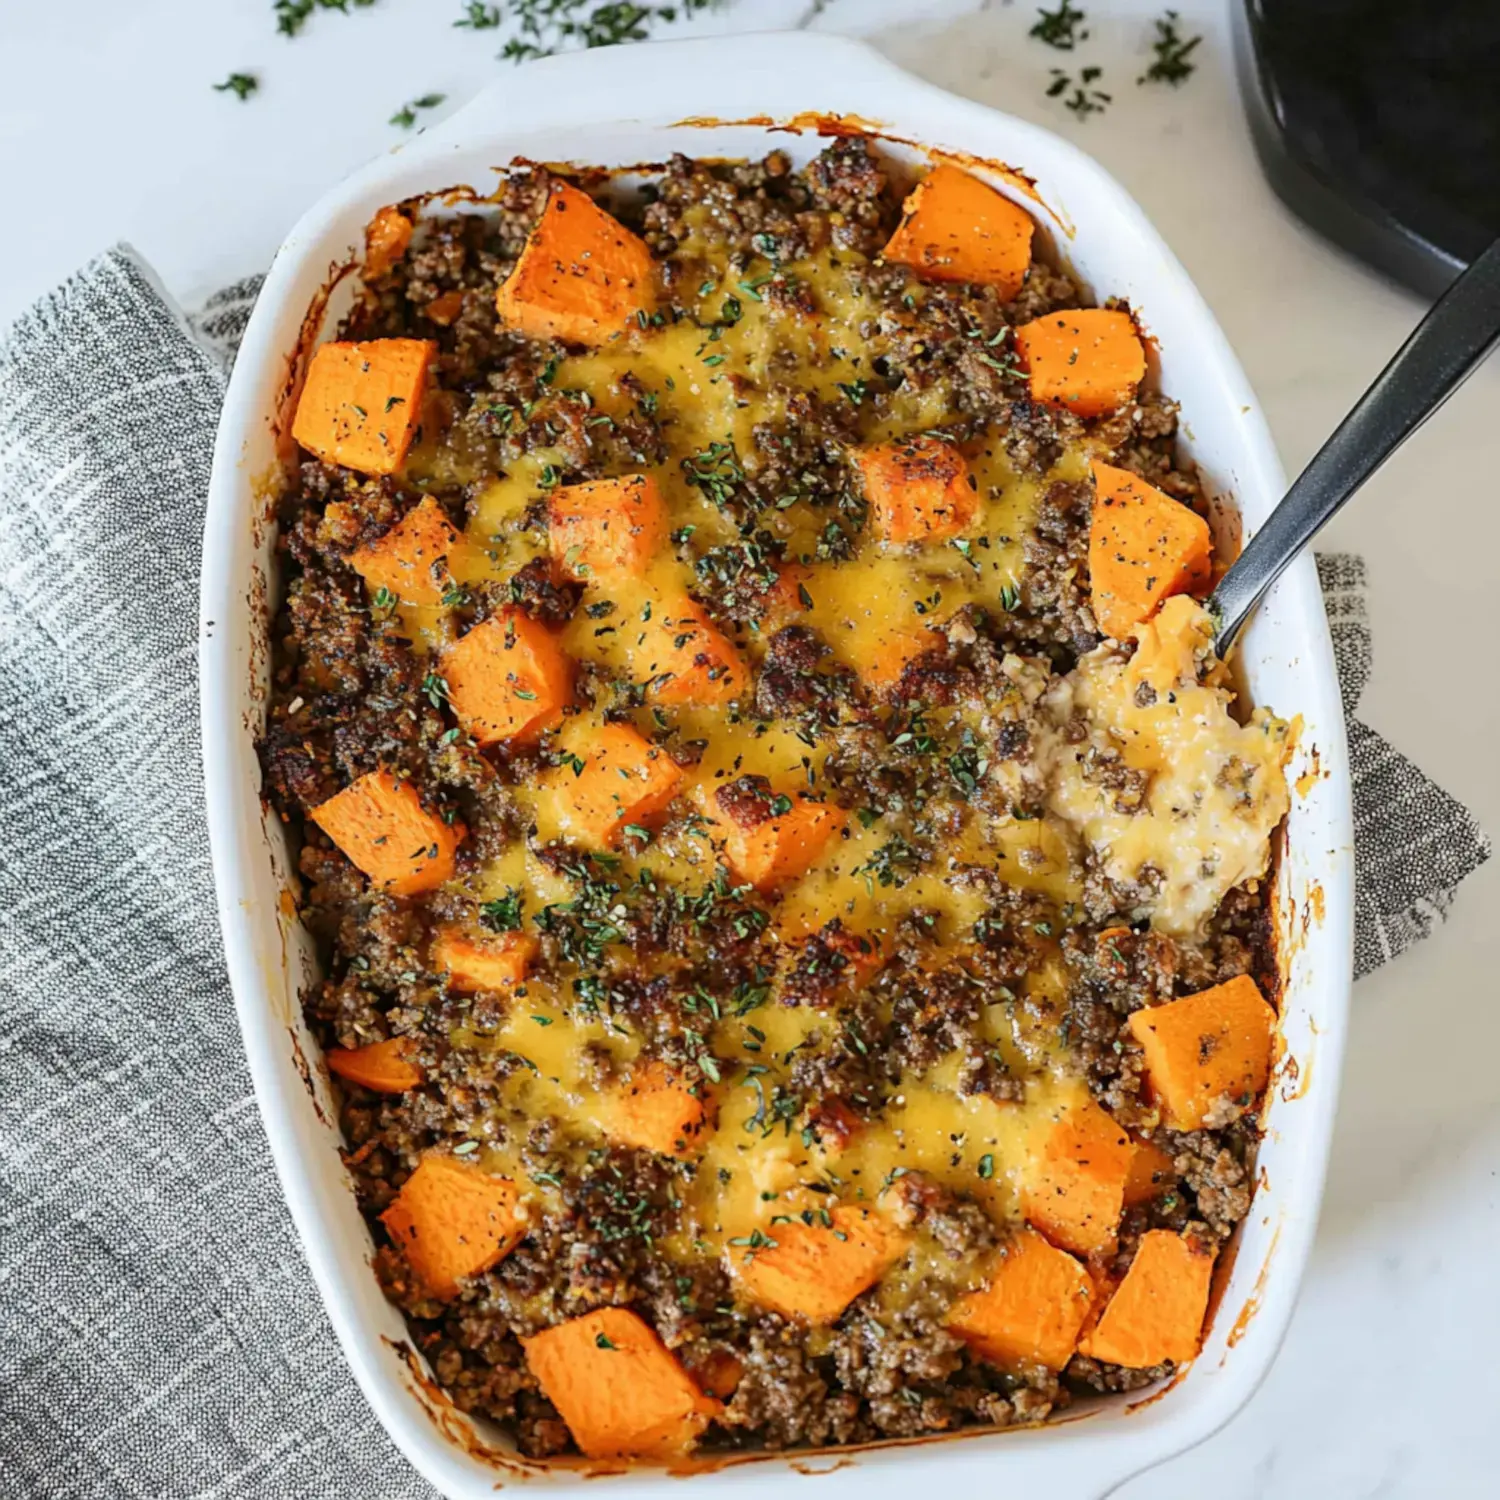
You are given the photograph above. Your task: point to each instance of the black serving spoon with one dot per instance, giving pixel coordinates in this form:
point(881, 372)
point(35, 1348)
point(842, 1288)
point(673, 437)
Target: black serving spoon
point(1462, 327)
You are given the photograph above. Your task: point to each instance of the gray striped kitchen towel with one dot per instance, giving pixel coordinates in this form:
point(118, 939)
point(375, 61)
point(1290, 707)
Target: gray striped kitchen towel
point(159, 1334)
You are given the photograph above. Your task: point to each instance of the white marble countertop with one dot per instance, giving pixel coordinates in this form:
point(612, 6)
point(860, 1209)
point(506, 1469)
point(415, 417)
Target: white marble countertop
point(109, 130)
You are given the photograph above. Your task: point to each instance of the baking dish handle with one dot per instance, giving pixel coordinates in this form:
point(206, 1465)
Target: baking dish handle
point(539, 94)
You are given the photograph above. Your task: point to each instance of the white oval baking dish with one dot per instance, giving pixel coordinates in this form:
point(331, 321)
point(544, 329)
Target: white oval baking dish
point(639, 104)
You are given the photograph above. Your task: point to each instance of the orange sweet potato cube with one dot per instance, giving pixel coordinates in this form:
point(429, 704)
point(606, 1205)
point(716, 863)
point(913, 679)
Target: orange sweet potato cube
point(788, 598)
point(920, 490)
point(956, 228)
point(1075, 1188)
point(626, 781)
point(1033, 1309)
point(1156, 1314)
point(1144, 547)
point(383, 1067)
point(606, 529)
point(411, 559)
point(654, 1110)
point(380, 824)
point(508, 678)
point(581, 277)
point(452, 1221)
point(1088, 361)
point(1151, 1172)
point(1205, 1047)
point(476, 961)
point(814, 1271)
point(892, 652)
point(361, 404)
point(621, 1391)
point(686, 659)
point(771, 838)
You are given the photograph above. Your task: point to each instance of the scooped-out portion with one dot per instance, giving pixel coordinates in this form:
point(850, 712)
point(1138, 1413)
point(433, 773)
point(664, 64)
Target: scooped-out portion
point(793, 876)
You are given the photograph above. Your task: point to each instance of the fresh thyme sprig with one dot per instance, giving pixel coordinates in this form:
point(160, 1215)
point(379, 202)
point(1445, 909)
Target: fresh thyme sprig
point(542, 27)
point(477, 17)
point(1084, 99)
point(406, 116)
point(241, 85)
point(293, 15)
point(1171, 63)
point(1060, 28)
point(547, 26)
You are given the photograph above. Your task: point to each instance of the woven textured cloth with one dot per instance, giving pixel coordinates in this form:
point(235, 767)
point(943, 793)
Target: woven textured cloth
point(159, 1333)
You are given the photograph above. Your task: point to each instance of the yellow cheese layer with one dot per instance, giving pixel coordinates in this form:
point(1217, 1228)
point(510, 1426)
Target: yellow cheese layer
point(1215, 789)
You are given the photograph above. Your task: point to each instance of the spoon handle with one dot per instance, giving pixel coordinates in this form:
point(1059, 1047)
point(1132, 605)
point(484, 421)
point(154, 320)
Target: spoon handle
point(1460, 329)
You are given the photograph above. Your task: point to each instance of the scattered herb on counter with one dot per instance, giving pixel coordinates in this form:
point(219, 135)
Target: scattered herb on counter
point(1171, 64)
point(479, 17)
point(1060, 28)
point(546, 26)
point(1084, 100)
point(542, 27)
point(406, 116)
point(292, 15)
point(241, 85)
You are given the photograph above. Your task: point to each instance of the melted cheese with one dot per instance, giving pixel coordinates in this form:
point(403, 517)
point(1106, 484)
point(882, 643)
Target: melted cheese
point(1215, 787)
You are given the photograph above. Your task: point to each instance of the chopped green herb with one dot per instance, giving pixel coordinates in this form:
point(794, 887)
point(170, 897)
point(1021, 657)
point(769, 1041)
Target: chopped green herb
point(406, 116)
point(291, 15)
point(479, 17)
point(241, 85)
point(504, 914)
point(892, 864)
point(1171, 63)
point(1060, 28)
point(1084, 100)
point(716, 471)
